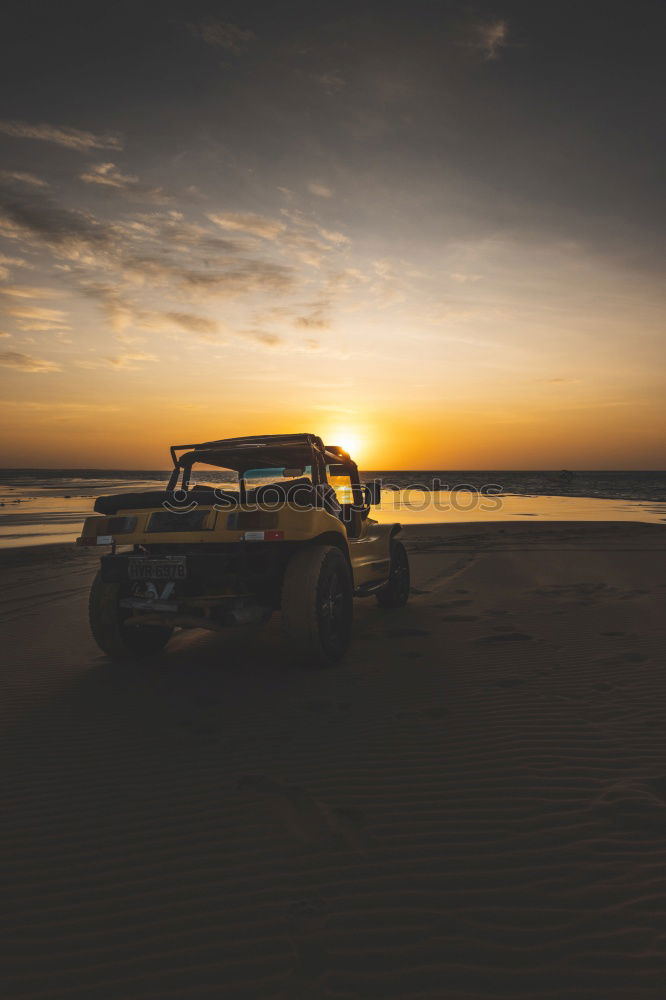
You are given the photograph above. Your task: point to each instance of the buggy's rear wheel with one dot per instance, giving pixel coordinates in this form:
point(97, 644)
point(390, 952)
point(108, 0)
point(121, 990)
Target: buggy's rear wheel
point(395, 592)
point(317, 605)
point(117, 640)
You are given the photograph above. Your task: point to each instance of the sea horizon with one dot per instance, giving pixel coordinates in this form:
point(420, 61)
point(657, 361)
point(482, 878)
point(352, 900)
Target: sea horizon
point(49, 505)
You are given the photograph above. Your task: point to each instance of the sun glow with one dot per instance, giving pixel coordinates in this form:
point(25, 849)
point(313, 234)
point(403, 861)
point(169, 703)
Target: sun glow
point(349, 440)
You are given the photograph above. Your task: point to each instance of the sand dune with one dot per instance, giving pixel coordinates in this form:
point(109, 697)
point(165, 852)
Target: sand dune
point(472, 806)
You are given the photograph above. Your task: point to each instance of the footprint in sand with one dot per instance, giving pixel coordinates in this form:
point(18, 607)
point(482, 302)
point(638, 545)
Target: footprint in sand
point(457, 603)
point(505, 637)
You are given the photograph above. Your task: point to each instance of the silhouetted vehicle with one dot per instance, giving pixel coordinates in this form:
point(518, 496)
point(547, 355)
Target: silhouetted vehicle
point(245, 527)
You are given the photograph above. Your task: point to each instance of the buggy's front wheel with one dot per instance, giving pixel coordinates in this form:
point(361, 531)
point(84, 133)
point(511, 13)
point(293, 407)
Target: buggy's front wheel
point(118, 640)
point(317, 605)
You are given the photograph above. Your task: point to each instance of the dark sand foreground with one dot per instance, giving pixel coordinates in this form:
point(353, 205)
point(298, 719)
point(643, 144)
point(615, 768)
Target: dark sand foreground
point(473, 806)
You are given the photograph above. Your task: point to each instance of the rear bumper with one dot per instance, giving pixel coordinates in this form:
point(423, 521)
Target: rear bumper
point(232, 585)
point(256, 561)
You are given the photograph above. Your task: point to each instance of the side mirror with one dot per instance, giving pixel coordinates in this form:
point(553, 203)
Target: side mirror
point(373, 492)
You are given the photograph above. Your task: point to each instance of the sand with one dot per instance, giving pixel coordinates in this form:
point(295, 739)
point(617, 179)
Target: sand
point(472, 806)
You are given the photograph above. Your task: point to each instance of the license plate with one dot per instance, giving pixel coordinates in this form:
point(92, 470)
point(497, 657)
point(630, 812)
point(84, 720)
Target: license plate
point(158, 569)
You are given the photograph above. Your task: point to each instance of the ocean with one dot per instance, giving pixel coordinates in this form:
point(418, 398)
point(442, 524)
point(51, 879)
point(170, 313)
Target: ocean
point(48, 505)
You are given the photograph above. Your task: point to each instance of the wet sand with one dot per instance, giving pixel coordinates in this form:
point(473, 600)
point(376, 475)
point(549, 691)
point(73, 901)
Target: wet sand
point(473, 805)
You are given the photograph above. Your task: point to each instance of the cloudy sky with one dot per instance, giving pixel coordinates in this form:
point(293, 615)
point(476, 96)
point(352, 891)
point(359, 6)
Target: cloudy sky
point(433, 230)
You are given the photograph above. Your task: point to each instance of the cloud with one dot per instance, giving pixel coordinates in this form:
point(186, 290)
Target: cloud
point(26, 363)
point(559, 381)
point(38, 216)
point(115, 262)
point(29, 292)
point(315, 317)
point(118, 312)
point(122, 312)
point(62, 406)
point(7, 263)
point(301, 241)
point(320, 190)
point(129, 360)
point(22, 178)
point(305, 315)
point(15, 301)
point(245, 276)
point(4, 335)
point(27, 315)
point(193, 324)
point(263, 337)
point(305, 249)
point(13, 261)
point(108, 176)
point(37, 318)
point(71, 138)
point(332, 83)
point(491, 38)
point(222, 34)
point(313, 322)
point(461, 278)
point(339, 239)
point(246, 222)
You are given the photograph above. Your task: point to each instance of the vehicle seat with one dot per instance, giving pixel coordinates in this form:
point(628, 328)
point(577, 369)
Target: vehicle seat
point(297, 491)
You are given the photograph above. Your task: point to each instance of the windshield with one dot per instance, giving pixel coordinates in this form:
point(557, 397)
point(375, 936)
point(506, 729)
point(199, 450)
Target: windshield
point(229, 480)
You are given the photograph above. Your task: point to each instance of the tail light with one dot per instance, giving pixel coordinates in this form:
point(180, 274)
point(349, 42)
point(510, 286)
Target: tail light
point(271, 535)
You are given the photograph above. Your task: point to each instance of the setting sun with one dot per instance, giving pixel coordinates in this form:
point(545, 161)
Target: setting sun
point(350, 440)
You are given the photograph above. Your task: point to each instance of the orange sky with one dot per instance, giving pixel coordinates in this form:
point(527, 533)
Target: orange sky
point(388, 237)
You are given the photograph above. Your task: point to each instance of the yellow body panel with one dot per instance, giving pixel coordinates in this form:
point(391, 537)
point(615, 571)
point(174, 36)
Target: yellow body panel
point(369, 554)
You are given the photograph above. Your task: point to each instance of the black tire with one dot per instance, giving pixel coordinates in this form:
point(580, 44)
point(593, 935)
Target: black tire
point(395, 592)
point(317, 605)
point(119, 641)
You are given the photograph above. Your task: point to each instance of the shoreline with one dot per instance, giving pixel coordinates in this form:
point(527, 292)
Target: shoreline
point(455, 533)
point(49, 519)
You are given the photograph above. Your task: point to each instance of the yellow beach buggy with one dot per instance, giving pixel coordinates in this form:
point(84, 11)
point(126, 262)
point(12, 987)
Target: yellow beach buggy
point(245, 527)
